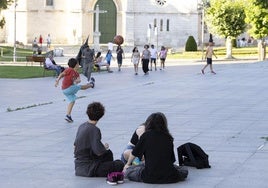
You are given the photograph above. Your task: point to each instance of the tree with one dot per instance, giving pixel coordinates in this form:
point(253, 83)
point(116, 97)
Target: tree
point(257, 18)
point(4, 5)
point(226, 18)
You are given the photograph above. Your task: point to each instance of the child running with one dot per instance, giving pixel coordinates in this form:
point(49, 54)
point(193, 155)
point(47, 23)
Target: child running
point(70, 86)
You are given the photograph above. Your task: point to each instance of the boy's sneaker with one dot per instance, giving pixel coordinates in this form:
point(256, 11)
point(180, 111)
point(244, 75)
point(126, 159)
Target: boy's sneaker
point(112, 178)
point(68, 118)
point(120, 177)
point(92, 82)
point(92, 79)
point(115, 178)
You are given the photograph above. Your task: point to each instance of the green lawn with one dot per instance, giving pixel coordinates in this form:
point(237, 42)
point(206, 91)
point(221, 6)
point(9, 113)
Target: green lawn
point(22, 72)
point(220, 52)
point(7, 53)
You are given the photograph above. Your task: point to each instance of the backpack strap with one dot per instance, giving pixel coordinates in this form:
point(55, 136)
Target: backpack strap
point(179, 151)
point(190, 153)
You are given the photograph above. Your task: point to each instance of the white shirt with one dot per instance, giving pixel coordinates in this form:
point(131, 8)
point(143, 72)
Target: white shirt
point(48, 39)
point(48, 62)
point(153, 53)
point(110, 46)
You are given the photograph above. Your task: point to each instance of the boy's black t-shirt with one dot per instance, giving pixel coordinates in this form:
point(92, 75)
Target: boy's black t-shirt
point(157, 149)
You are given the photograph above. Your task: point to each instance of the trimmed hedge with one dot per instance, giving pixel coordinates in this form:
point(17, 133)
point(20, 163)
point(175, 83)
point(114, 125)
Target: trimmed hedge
point(190, 45)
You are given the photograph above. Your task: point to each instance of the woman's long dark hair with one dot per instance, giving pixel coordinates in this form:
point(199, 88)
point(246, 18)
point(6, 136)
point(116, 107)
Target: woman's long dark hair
point(98, 55)
point(135, 49)
point(158, 121)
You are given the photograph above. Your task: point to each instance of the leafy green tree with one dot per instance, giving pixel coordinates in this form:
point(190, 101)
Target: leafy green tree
point(257, 18)
point(4, 5)
point(226, 18)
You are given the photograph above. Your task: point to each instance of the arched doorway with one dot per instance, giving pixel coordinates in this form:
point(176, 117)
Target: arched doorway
point(107, 21)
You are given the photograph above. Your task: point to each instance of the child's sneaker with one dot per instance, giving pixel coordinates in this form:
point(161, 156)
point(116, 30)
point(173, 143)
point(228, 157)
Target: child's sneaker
point(68, 118)
point(112, 178)
point(120, 177)
point(92, 79)
point(92, 82)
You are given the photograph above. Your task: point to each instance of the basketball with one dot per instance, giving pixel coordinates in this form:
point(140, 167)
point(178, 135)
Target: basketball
point(118, 39)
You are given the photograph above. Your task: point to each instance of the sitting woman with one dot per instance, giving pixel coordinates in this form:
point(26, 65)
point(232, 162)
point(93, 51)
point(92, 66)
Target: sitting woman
point(156, 145)
point(100, 62)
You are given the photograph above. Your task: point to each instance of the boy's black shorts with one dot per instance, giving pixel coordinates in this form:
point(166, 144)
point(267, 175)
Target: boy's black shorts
point(209, 60)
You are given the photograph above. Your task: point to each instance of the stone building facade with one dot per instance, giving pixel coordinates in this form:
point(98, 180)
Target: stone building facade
point(159, 22)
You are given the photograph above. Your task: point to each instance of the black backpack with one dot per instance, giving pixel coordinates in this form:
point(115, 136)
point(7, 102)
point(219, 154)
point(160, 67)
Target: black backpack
point(190, 154)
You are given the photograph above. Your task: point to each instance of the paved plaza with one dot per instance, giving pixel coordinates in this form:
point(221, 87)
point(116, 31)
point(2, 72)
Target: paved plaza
point(226, 114)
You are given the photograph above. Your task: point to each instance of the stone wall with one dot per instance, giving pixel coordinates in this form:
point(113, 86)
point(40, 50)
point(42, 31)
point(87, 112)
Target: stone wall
point(68, 21)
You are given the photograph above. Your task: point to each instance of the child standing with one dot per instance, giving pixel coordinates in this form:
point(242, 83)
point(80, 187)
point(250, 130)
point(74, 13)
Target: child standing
point(48, 41)
point(162, 56)
point(208, 56)
point(135, 58)
point(154, 56)
point(145, 58)
point(70, 85)
point(109, 57)
point(40, 40)
point(120, 56)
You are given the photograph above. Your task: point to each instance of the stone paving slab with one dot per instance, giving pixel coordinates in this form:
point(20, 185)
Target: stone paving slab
point(226, 114)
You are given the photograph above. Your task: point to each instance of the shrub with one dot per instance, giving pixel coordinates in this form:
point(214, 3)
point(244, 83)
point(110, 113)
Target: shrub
point(190, 45)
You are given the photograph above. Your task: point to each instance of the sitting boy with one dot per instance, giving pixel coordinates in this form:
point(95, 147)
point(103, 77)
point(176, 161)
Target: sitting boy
point(92, 157)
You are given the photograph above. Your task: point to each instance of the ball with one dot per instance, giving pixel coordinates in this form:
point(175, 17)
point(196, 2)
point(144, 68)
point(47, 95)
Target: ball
point(118, 39)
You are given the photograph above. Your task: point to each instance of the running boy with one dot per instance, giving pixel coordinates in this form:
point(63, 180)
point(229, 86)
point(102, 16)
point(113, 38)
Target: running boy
point(208, 56)
point(70, 85)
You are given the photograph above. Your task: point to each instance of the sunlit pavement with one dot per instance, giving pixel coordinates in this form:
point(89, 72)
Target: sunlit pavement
point(226, 114)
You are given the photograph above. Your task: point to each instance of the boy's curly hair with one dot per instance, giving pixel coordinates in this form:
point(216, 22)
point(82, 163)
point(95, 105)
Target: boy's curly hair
point(95, 111)
point(72, 62)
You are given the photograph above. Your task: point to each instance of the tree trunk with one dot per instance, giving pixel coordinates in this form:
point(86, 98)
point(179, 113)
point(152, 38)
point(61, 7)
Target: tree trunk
point(261, 50)
point(229, 48)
